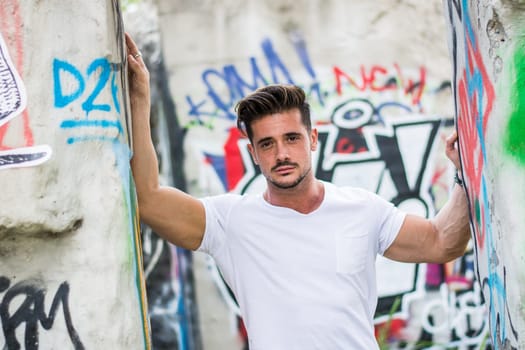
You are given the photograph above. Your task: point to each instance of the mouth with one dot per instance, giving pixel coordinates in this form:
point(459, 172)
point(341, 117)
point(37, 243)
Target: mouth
point(283, 169)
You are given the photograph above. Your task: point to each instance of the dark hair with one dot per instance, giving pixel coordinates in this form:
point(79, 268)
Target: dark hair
point(269, 100)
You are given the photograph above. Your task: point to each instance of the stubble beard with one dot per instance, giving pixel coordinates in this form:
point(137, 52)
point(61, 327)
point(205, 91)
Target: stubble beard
point(286, 186)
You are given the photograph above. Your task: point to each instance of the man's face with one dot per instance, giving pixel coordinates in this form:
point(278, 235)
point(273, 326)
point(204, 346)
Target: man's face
point(282, 147)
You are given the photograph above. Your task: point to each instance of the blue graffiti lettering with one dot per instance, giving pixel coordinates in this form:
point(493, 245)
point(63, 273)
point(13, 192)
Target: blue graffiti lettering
point(275, 63)
point(105, 73)
point(89, 104)
point(103, 123)
point(219, 104)
point(62, 100)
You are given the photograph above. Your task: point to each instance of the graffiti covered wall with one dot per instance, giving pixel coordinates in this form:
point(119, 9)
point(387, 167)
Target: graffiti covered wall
point(378, 79)
point(487, 49)
point(70, 256)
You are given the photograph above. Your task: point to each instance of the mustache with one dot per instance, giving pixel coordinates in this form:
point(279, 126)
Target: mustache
point(285, 163)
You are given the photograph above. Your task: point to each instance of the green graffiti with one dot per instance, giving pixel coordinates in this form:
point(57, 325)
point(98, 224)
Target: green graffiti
point(514, 141)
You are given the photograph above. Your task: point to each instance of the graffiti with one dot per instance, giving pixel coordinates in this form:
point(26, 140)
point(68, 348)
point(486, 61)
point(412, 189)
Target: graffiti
point(504, 333)
point(105, 75)
point(30, 312)
point(13, 102)
point(215, 105)
point(13, 92)
point(164, 298)
point(219, 104)
point(27, 156)
point(11, 25)
point(379, 79)
point(97, 92)
point(461, 314)
point(104, 72)
point(451, 310)
point(475, 98)
point(514, 145)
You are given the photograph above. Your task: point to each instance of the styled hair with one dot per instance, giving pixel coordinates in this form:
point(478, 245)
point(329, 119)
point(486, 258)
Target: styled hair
point(268, 100)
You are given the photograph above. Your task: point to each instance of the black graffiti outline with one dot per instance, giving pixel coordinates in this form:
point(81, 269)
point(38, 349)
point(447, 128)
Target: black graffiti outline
point(31, 312)
point(12, 87)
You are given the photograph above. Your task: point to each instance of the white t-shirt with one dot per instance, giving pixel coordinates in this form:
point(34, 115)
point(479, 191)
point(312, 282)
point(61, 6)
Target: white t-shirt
point(303, 281)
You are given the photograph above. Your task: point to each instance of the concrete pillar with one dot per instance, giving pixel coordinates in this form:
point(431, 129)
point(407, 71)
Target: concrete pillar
point(70, 257)
point(486, 46)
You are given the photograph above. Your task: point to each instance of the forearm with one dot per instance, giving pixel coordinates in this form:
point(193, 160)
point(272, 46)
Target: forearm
point(144, 163)
point(452, 225)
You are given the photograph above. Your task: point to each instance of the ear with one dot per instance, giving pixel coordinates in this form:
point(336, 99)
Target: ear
point(252, 153)
point(313, 139)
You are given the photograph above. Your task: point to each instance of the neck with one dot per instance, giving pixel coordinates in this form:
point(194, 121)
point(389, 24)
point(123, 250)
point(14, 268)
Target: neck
point(304, 198)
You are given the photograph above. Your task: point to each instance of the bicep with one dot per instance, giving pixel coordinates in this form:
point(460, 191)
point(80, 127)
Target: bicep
point(175, 216)
point(416, 241)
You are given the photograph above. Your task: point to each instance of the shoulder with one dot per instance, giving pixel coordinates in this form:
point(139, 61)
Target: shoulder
point(221, 200)
point(228, 201)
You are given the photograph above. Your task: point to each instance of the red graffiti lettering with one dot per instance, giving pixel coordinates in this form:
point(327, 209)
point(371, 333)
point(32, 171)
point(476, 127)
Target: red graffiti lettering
point(472, 156)
point(379, 79)
point(473, 117)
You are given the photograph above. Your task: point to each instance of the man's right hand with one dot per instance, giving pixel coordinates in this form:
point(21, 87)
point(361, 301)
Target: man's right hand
point(138, 75)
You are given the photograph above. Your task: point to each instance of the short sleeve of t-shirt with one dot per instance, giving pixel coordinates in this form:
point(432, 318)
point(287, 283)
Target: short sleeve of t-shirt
point(217, 209)
point(389, 221)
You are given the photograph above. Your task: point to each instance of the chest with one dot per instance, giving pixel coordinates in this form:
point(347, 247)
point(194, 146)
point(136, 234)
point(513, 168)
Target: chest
point(300, 248)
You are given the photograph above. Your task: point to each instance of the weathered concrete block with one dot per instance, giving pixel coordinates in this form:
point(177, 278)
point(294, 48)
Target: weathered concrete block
point(486, 45)
point(70, 259)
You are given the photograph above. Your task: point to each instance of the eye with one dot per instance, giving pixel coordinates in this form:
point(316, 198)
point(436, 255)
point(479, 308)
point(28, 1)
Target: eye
point(265, 144)
point(293, 138)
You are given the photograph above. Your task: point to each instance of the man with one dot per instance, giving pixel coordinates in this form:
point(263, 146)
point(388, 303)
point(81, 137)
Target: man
point(300, 257)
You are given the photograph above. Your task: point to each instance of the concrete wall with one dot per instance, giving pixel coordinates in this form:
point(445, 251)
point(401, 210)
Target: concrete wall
point(378, 77)
point(70, 257)
point(486, 45)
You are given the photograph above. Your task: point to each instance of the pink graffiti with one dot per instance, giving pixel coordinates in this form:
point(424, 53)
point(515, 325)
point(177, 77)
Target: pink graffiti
point(11, 28)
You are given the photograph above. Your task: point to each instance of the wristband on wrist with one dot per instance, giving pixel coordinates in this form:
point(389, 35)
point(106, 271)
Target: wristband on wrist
point(457, 179)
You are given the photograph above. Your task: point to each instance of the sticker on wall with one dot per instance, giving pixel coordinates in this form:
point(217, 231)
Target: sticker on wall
point(12, 102)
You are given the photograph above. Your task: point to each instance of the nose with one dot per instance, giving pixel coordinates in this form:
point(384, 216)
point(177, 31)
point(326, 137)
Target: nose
point(282, 152)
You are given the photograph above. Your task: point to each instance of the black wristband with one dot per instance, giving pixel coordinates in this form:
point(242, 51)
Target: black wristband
point(457, 179)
